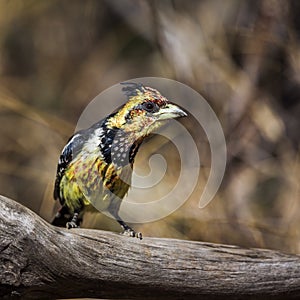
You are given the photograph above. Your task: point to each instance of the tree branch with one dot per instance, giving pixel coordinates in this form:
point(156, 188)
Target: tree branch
point(38, 260)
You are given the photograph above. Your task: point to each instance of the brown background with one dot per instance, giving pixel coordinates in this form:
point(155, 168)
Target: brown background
point(242, 56)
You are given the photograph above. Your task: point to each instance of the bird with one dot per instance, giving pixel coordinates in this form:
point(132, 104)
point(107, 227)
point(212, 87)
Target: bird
point(95, 167)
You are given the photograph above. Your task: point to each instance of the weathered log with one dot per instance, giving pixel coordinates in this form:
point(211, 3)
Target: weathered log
point(38, 260)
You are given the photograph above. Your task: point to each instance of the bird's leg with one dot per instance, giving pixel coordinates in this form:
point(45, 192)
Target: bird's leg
point(113, 210)
point(75, 222)
point(129, 231)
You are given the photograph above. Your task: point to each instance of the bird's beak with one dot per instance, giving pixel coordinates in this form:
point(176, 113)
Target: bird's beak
point(170, 111)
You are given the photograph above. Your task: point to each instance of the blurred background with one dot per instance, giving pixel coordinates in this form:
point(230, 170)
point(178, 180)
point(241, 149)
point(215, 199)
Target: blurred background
point(242, 56)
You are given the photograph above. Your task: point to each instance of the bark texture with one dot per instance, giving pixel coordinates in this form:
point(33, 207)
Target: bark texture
point(40, 261)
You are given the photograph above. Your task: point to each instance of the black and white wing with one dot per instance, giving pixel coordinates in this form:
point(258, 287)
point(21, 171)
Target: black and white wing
point(74, 145)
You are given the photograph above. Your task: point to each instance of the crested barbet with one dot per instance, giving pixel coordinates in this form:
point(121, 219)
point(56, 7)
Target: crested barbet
point(95, 166)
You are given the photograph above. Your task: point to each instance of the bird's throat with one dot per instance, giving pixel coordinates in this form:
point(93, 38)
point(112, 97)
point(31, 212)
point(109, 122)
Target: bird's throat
point(120, 148)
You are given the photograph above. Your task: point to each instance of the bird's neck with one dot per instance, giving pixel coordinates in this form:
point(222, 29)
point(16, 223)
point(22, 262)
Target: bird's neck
point(119, 147)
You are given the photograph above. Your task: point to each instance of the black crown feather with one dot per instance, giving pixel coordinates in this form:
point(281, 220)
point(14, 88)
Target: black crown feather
point(131, 89)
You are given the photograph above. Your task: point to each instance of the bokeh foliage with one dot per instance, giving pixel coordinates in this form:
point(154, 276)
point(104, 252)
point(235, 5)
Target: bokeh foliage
point(242, 56)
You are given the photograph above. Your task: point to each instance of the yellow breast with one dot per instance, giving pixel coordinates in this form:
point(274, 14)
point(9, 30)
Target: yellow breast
point(89, 180)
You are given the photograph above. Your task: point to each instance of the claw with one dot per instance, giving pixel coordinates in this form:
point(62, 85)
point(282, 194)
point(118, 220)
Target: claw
point(74, 223)
point(71, 224)
point(139, 235)
point(130, 232)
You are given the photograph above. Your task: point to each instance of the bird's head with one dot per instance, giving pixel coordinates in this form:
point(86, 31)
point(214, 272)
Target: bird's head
point(145, 111)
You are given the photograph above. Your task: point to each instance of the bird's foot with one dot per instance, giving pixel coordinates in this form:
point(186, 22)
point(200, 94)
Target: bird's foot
point(71, 224)
point(74, 223)
point(130, 232)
